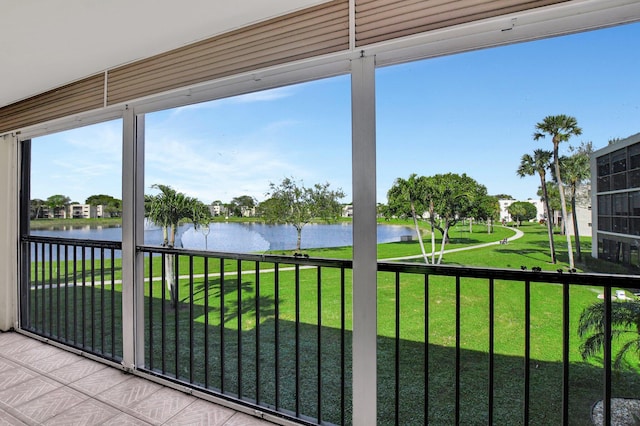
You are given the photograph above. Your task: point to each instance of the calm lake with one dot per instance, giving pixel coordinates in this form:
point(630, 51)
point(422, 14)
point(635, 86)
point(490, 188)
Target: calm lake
point(238, 237)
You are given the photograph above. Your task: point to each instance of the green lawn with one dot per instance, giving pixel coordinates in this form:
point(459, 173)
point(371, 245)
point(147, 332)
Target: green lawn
point(210, 309)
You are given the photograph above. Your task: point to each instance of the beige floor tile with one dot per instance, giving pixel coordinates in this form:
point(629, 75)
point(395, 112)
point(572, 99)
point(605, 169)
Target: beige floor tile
point(53, 362)
point(51, 404)
point(72, 372)
point(100, 381)
point(129, 392)
point(7, 419)
point(202, 413)
point(125, 420)
point(88, 413)
point(241, 419)
point(27, 391)
point(13, 376)
point(162, 405)
point(12, 343)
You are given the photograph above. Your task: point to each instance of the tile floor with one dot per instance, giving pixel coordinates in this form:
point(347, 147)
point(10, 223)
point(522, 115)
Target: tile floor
point(41, 384)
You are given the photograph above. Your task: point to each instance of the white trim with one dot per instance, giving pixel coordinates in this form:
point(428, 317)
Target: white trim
point(72, 122)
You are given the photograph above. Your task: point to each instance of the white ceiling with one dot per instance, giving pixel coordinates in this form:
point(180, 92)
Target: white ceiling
point(48, 43)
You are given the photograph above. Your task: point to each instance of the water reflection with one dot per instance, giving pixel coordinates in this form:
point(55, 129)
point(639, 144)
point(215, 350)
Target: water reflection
point(237, 237)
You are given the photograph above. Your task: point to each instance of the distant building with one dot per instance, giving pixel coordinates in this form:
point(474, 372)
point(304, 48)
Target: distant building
point(504, 212)
point(83, 211)
point(615, 201)
point(347, 210)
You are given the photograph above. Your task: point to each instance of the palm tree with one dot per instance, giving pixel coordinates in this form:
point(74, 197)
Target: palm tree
point(625, 321)
point(560, 128)
point(538, 164)
point(575, 170)
point(408, 190)
point(166, 210)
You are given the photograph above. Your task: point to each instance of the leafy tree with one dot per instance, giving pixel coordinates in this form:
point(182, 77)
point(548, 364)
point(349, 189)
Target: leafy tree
point(36, 207)
point(538, 163)
point(111, 205)
point(406, 198)
point(166, 210)
point(625, 321)
point(451, 197)
point(503, 197)
point(239, 204)
point(294, 204)
point(488, 208)
point(521, 210)
point(576, 169)
point(560, 128)
point(57, 202)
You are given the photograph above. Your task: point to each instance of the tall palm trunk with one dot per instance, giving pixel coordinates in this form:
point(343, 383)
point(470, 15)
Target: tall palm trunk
point(563, 202)
point(444, 240)
point(415, 223)
point(433, 233)
point(547, 212)
point(574, 216)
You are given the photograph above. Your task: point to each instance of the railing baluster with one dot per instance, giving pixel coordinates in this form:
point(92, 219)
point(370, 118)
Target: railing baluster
point(93, 299)
point(222, 326)
point(239, 324)
point(457, 389)
point(297, 337)
point(151, 316)
point(102, 295)
point(396, 366)
point(49, 329)
point(75, 293)
point(206, 322)
point(113, 304)
point(343, 327)
point(606, 400)
point(84, 301)
point(66, 292)
point(527, 349)
point(491, 390)
point(191, 302)
point(163, 315)
point(276, 291)
point(36, 291)
point(565, 354)
point(257, 292)
point(58, 310)
point(176, 313)
point(426, 349)
point(319, 342)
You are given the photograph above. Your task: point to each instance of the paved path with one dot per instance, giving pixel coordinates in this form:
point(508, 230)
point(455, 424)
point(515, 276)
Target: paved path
point(519, 234)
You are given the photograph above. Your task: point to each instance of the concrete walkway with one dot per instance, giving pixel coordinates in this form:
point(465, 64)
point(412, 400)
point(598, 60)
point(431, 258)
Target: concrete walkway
point(519, 234)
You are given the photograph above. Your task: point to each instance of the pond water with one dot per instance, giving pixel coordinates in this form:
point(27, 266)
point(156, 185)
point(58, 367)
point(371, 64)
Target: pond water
point(238, 237)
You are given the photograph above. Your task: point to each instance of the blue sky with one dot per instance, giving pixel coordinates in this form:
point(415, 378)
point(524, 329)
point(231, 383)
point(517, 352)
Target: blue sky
point(471, 113)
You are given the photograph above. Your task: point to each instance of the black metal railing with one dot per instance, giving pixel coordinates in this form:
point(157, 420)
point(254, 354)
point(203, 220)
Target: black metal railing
point(456, 345)
point(530, 376)
point(267, 331)
point(71, 293)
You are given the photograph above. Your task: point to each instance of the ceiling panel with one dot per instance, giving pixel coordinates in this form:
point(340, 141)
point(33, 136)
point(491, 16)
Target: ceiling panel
point(48, 43)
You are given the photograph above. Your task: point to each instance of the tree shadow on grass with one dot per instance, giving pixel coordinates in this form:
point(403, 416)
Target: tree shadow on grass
point(285, 366)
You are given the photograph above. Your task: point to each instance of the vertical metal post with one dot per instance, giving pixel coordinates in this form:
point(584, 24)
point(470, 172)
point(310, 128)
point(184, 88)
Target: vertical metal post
point(132, 234)
point(364, 241)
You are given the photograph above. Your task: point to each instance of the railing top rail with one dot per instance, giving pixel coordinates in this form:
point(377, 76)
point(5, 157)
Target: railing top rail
point(117, 245)
point(271, 258)
point(564, 277)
